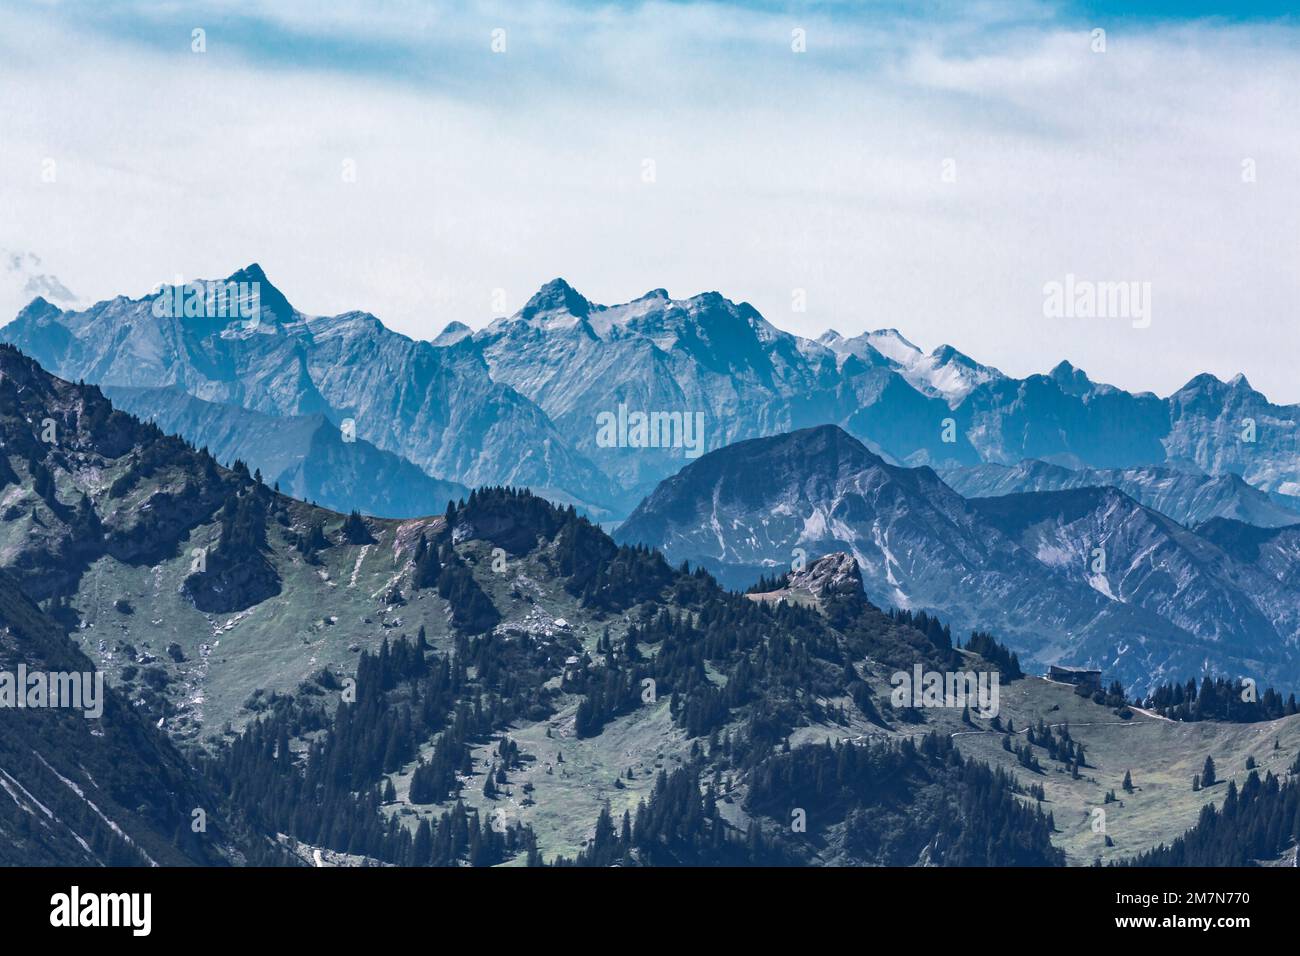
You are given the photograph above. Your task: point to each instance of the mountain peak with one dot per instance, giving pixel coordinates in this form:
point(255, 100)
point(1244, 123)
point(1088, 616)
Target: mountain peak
point(1072, 380)
point(1211, 384)
point(1203, 380)
point(895, 346)
point(453, 333)
point(271, 301)
point(944, 354)
point(894, 335)
point(829, 445)
point(38, 308)
point(557, 295)
point(253, 272)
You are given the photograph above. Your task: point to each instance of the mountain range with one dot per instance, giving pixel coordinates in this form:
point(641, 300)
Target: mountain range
point(436, 407)
point(518, 401)
point(228, 620)
point(307, 456)
point(1082, 576)
point(576, 359)
point(501, 682)
point(1189, 497)
point(344, 412)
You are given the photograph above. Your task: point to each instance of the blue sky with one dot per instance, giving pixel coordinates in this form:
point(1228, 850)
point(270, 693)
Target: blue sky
point(479, 175)
point(1173, 10)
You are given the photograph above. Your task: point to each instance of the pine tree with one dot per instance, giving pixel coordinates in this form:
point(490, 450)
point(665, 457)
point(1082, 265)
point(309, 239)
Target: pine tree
point(355, 530)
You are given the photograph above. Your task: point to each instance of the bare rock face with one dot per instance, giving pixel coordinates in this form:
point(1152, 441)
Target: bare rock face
point(436, 407)
point(832, 574)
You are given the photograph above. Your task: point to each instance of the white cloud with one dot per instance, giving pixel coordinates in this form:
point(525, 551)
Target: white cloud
point(23, 278)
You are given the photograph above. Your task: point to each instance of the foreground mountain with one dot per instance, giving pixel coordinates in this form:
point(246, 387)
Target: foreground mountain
point(104, 790)
point(436, 407)
point(502, 683)
point(1166, 601)
point(306, 456)
point(481, 641)
point(191, 585)
point(1189, 497)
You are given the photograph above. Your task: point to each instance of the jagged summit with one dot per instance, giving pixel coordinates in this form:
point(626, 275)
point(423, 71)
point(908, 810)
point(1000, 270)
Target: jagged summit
point(1208, 381)
point(38, 309)
point(272, 302)
point(1202, 378)
point(831, 574)
point(944, 354)
point(253, 272)
point(1072, 380)
point(655, 314)
point(453, 333)
point(557, 295)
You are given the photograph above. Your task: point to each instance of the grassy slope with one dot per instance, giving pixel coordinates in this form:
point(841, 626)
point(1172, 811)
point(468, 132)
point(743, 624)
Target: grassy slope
point(283, 641)
point(72, 777)
point(1162, 756)
point(323, 616)
point(280, 643)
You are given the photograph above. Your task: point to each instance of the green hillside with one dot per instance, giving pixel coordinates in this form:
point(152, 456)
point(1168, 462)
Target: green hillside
point(503, 683)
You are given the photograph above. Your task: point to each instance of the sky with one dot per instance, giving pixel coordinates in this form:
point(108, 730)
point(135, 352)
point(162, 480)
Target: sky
point(931, 167)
